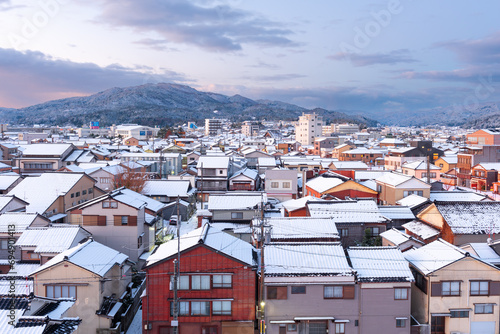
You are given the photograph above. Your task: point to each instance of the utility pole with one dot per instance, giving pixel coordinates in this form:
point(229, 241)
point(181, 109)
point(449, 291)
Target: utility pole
point(261, 285)
point(201, 184)
point(177, 270)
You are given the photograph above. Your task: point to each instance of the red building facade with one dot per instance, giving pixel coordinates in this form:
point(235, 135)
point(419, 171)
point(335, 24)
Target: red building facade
point(217, 293)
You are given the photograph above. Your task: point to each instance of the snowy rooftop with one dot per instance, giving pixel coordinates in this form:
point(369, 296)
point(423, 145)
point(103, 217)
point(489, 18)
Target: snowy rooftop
point(419, 165)
point(302, 228)
point(46, 149)
point(420, 229)
point(396, 212)
point(213, 162)
point(53, 239)
point(350, 165)
point(234, 201)
point(457, 196)
point(485, 252)
point(397, 237)
point(369, 174)
point(360, 211)
point(170, 188)
point(375, 264)
point(471, 217)
point(90, 255)
point(394, 179)
point(298, 203)
point(210, 236)
point(21, 221)
point(412, 201)
point(322, 184)
point(41, 191)
point(490, 165)
point(434, 256)
point(306, 260)
point(7, 180)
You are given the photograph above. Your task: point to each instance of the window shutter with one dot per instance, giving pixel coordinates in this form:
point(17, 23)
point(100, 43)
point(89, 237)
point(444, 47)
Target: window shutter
point(349, 292)
point(101, 221)
point(281, 292)
point(132, 220)
point(435, 289)
point(495, 288)
point(118, 220)
point(90, 220)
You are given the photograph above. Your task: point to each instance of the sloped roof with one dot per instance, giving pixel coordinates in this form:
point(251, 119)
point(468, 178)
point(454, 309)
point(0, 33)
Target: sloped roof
point(7, 180)
point(360, 211)
point(349, 165)
point(250, 173)
point(21, 221)
point(397, 237)
point(53, 239)
point(322, 184)
point(471, 217)
point(41, 191)
point(170, 188)
point(457, 196)
point(306, 260)
point(485, 252)
point(421, 229)
point(210, 236)
point(412, 201)
point(46, 149)
point(234, 201)
point(419, 165)
point(213, 162)
point(90, 255)
point(299, 203)
point(396, 212)
point(434, 256)
point(380, 264)
point(302, 228)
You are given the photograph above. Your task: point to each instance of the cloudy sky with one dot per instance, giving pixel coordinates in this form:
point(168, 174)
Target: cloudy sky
point(395, 55)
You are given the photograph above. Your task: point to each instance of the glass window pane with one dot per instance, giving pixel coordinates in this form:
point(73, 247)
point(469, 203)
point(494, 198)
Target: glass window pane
point(65, 291)
point(57, 291)
point(50, 291)
point(72, 291)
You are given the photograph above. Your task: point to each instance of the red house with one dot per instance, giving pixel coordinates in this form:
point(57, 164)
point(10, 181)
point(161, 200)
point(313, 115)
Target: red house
point(217, 288)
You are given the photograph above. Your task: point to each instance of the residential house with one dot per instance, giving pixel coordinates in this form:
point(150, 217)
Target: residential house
point(336, 185)
point(309, 288)
point(355, 219)
point(121, 219)
point(419, 170)
point(368, 156)
point(213, 175)
point(397, 215)
point(395, 186)
point(421, 231)
point(298, 229)
point(399, 239)
point(281, 184)
point(245, 179)
point(384, 281)
point(217, 284)
point(167, 191)
point(322, 145)
point(8, 152)
point(446, 162)
point(348, 165)
point(12, 204)
point(463, 222)
point(235, 207)
point(40, 158)
point(454, 291)
point(91, 273)
point(484, 175)
point(165, 163)
point(51, 194)
point(471, 156)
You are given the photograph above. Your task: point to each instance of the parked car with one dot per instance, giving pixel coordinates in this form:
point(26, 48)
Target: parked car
point(173, 220)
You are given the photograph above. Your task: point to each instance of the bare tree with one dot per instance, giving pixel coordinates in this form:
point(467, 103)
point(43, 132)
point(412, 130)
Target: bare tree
point(129, 179)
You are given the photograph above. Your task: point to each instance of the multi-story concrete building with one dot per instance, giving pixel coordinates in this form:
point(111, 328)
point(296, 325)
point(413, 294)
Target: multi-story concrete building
point(213, 126)
point(134, 130)
point(308, 127)
point(250, 128)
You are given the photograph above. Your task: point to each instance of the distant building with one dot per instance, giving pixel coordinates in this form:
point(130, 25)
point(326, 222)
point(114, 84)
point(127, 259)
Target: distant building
point(250, 128)
point(484, 137)
point(308, 127)
point(213, 126)
point(134, 130)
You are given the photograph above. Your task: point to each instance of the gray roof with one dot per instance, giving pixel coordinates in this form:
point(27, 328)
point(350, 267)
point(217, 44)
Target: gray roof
point(471, 217)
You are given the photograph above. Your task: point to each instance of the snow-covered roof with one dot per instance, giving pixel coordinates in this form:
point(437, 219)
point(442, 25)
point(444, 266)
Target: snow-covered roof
point(210, 236)
point(376, 264)
point(299, 203)
point(434, 256)
point(53, 239)
point(419, 165)
point(41, 191)
point(234, 201)
point(369, 174)
point(484, 252)
point(360, 211)
point(322, 184)
point(213, 162)
point(412, 201)
point(21, 221)
point(421, 229)
point(394, 179)
point(397, 237)
point(350, 165)
point(396, 212)
point(46, 149)
point(250, 173)
point(306, 260)
point(457, 196)
point(266, 162)
point(471, 217)
point(91, 255)
point(170, 188)
point(7, 180)
point(302, 228)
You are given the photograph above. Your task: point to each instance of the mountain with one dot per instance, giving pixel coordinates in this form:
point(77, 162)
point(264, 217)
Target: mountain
point(161, 104)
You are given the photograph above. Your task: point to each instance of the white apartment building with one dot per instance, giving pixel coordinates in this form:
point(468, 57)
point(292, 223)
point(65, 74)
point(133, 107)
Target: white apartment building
point(344, 129)
point(134, 130)
point(308, 127)
point(213, 126)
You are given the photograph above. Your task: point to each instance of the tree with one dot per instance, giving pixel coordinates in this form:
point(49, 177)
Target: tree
point(369, 240)
point(134, 181)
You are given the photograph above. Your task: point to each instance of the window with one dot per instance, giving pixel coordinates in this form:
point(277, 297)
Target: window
point(450, 288)
point(200, 308)
point(437, 324)
point(379, 188)
point(479, 288)
point(373, 231)
point(291, 327)
point(124, 220)
point(400, 293)
point(72, 195)
point(220, 171)
point(183, 308)
point(276, 292)
point(483, 308)
point(91, 190)
point(339, 328)
point(61, 291)
point(222, 281)
point(4, 244)
point(344, 232)
point(275, 184)
point(77, 194)
point(298, 289)
point(84, 192)
point(459, 314)
point(286, 185)
point(183, 283)
point(400, 322)
point(139, 241)
point(236, 215)
point(221, 307)
point(109, 205)
point(200, 282)
point(333, 292)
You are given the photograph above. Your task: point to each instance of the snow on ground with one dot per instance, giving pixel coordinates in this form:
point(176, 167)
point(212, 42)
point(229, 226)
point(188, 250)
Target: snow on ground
point(136, 325)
